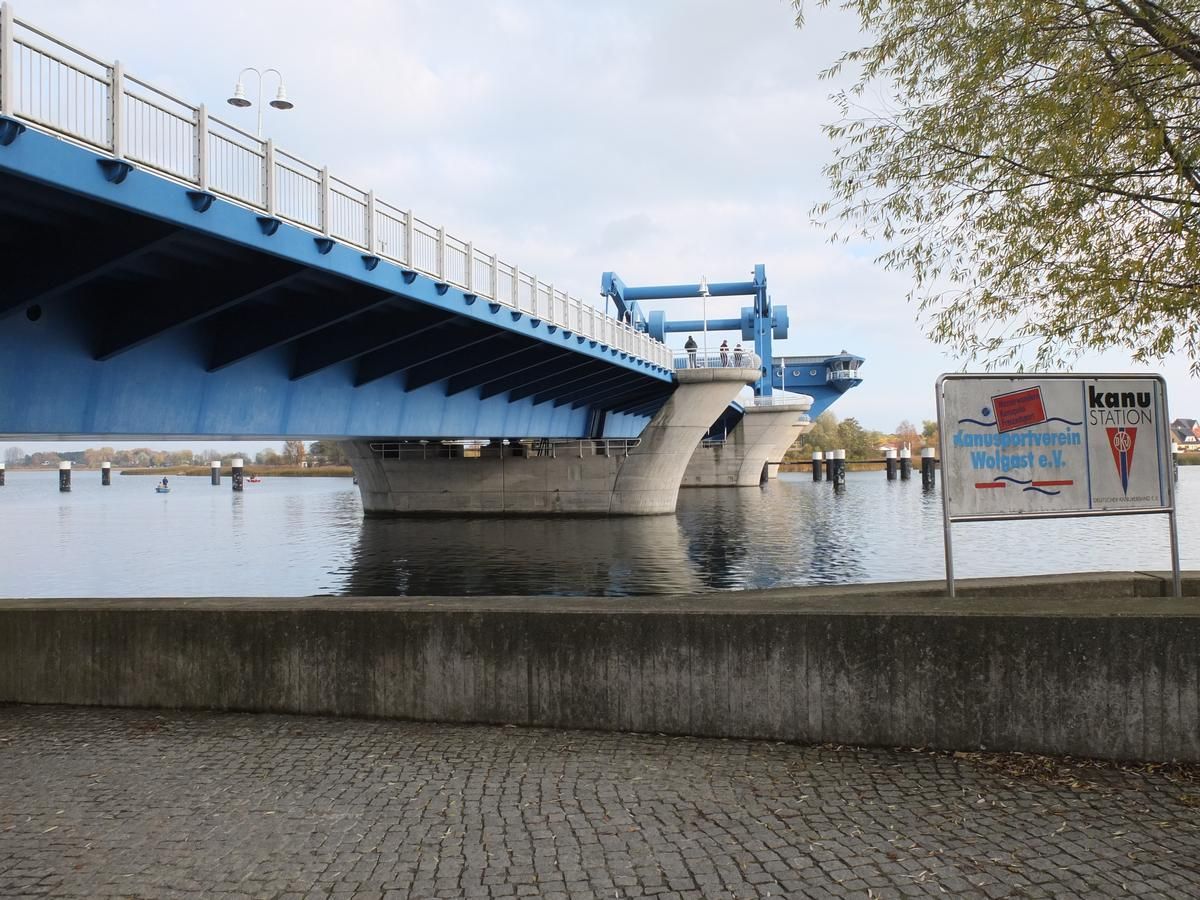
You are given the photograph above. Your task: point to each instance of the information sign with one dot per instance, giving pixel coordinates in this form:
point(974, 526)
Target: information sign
point(1042, 446)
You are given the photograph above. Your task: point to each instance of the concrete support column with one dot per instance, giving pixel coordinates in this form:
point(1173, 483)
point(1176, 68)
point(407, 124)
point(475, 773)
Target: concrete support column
point(763, 436)
point(105, 474)
point(905, 464)
point(889, 464)
point(817, 458)
point(649, 480)
point(1, 474)
point(237, 475)
point(64, 477)
point(215, 471)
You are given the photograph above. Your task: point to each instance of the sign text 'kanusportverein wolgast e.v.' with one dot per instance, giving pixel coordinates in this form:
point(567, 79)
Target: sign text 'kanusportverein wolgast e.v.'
point(1054, 445)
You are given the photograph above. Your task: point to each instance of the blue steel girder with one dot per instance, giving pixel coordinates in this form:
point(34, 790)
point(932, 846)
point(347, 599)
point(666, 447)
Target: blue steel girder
point(595, 385)
point(240, 334)
point(644, 404)
point(527, 360)
point(38, 157)
point(504, 385)
point(558, 381)
point(448, 366)
point(395, 359)
point(151, 326)
point(202, 293)
point(645, 409)
point(601, 395)
point(625, 402)
point(38, 277)
point(354, 339)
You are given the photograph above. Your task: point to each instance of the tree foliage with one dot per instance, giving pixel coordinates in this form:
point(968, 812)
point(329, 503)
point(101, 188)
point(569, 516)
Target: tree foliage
point(293, 452)
point(1034, 164)
point(327, 453)
point(828, 433)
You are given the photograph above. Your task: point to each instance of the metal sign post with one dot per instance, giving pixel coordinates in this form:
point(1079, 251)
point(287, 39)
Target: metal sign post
point(1054, 446)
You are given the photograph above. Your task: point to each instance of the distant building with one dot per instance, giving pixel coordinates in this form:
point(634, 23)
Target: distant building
point(1186, 433)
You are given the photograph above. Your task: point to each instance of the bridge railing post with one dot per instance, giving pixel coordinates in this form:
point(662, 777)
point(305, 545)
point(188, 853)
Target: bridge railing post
point(441, 253)
point(6, 60)
point(470, 266)
point(494, 280)
point(370, 230)
point(325, 205)
point(408, 238)
point(116, 108)
point(201, 149)
point(269, 178)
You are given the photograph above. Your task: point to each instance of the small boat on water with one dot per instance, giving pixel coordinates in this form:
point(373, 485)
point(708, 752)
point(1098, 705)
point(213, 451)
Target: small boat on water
point(162, 489)
point(255, 480)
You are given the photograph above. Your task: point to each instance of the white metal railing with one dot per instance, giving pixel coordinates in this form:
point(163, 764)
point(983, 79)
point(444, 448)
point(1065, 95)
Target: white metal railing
point(54, 86)
point(841, 374)
point(553, 449)
point(746, 359)
point(782, 400)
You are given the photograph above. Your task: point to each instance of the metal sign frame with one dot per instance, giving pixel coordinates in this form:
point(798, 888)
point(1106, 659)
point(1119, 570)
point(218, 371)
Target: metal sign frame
point(1164, 434)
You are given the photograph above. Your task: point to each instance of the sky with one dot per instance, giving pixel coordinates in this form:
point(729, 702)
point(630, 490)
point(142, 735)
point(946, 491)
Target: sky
point(662, 140)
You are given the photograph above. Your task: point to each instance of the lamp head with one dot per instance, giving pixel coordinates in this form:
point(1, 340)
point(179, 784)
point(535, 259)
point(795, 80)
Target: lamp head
point(703, 286)
point(239, 97)
point(281, 100)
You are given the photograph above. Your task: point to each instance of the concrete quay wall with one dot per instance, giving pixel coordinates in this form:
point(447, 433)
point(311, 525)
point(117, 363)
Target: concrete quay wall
point(1089, 665)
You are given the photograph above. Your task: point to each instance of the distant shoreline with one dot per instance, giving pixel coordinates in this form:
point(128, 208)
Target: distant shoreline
point(249, 471)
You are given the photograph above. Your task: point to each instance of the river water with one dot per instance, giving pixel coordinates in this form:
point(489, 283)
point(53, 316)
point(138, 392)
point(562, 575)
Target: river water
point(302, 536)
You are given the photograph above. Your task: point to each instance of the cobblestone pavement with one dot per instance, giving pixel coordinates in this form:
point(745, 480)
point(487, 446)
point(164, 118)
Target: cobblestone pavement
point(155, 804)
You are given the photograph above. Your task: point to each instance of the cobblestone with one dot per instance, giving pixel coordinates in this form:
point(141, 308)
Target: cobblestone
point(134, 803)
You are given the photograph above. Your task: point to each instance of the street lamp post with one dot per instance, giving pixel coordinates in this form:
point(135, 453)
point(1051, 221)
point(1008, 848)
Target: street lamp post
point(240, 100)
point(704, 313)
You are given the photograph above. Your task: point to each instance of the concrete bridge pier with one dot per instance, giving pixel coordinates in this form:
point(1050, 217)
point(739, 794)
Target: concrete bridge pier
point(752, 448)
point(584, 477)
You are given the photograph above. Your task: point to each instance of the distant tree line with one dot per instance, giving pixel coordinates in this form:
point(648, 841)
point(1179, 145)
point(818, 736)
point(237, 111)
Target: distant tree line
point(293, 453)
point(828, 433)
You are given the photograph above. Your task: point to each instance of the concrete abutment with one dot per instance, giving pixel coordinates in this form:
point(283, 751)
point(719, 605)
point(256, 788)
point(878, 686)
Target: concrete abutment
point(591, 479)
point(746, 455)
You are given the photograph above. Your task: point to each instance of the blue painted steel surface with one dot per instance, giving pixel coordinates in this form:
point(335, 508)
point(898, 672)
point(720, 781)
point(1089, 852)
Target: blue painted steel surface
point(134, 306)
point(824, 378)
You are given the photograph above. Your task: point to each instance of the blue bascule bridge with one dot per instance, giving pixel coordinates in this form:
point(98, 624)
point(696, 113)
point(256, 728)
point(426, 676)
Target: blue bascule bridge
point(169, 275)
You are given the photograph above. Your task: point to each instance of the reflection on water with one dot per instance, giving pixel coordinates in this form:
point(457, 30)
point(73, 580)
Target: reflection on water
point(527, 555)
point(302, 536)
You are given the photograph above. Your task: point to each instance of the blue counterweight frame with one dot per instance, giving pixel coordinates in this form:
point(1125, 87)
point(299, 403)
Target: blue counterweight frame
point(761, 322)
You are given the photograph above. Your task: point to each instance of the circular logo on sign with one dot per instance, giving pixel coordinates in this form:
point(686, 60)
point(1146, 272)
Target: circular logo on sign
point(1121, 441)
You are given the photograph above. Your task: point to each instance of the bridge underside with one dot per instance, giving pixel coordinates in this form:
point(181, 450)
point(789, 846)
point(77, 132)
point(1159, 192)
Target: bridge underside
point(118, 322)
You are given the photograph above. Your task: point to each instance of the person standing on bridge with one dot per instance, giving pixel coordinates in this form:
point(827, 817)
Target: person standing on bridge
point(724, 353)
point(690, 347)
point(737, 355)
